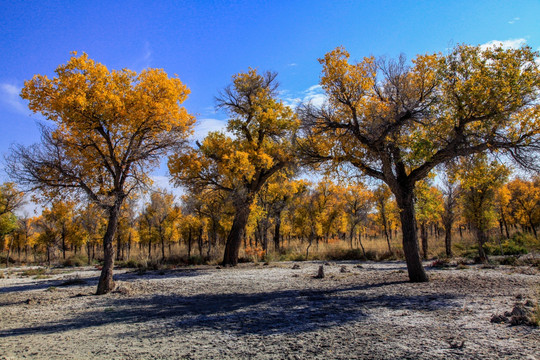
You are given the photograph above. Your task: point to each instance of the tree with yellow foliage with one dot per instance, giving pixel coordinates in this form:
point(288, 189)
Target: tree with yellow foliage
point(11, 199)
point(162, 214)
point(451, 192)
point(385, 206)
point(525, 202)
point(260, 146)
point(24, 236)
point(92, 224)
point(110, 128)
point(480, 178)
point(396, 122)
point(429, 209)
point(358, 203)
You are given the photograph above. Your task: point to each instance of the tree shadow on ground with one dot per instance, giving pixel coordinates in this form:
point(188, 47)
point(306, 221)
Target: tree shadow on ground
point(93, 280)
point(265, 313)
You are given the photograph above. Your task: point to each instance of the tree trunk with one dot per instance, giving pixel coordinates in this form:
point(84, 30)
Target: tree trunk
point(63, 244)
point(9, 251)
point(424, 236)
point(410, 237)
point(351, 236)
point(106, 282)
point(481, 239)
point(276, 233)
point(200, 242)
point(362, 246)
point(505, 227)
point(448, 239)
point(128, 251)
point(533, 228)
point(234, 239)
point(162, 245)
point(189, 245)
point(118, 245)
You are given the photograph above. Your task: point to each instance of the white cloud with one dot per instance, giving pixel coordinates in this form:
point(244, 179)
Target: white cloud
point(163, 182)
point(313, 95)
point(292, 64)
point(9, 94)
point(513, 20)
point(505, 44)
point(204, 126)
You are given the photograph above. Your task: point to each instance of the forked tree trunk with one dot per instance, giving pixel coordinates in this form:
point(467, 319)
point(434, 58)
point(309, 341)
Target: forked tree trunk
point(481, 239)
point(234, 239)
point(410, 237)
point(106, 282)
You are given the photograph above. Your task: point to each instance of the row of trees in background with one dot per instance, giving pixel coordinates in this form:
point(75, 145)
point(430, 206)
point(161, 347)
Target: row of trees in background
point(480, 201)
point(387, 120)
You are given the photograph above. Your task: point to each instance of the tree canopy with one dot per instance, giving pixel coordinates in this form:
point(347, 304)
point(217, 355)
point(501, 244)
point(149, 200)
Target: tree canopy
point(109, 129)
point(396, 122)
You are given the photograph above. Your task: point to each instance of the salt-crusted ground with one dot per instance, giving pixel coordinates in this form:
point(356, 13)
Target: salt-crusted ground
point(270, 312)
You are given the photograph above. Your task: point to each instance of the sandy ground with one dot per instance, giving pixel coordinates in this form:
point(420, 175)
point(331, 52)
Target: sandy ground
point(269, 312)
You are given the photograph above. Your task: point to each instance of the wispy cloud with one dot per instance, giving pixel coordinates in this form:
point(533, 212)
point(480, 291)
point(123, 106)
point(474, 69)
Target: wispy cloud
point(292, 64)
point(164, 182)
point(505, 44)
point(513, 20)
point(145, 60)
point(313, 95)
point(9, 95)
point(204, 126)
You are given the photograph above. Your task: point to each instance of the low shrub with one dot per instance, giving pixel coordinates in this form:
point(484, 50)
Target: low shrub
point(345, 254)
point(75, 261)
point(509, 247)
point(441, 263)
point(197, 260)
point(508, 260)
point(34, 272)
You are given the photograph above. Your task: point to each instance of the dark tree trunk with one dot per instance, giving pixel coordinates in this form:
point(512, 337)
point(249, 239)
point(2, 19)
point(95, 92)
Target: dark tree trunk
point(162, 245)
point(362, 246)
point(424, 236)
point(118, 245)
point(448, 239)
point(63, 244)
point(9, 252)
point(481, 240)
point(189, 244)
point(128, 255)
point(106, 282)
point(276, 233)
point(505, 227)
point(533, 228)
point(234, 239)
point(88, 252)
point(200, 242)
point(410, 237)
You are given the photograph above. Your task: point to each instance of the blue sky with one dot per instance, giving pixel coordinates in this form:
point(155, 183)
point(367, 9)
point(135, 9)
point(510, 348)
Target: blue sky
point(206, 42)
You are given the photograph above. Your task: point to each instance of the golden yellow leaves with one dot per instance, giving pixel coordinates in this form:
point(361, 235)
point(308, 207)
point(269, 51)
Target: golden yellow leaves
point(347, 84)
point(261, 128)
point(85, 94)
